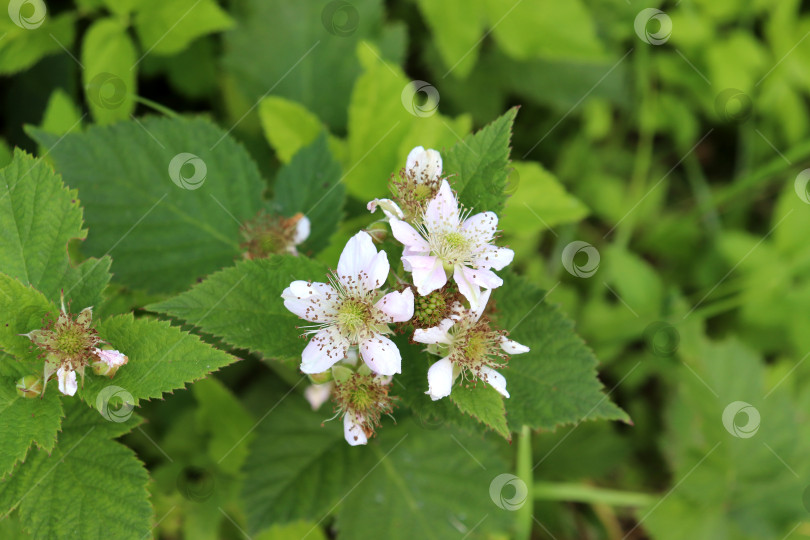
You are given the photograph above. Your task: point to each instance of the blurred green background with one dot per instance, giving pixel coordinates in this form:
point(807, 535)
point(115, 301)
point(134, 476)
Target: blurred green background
point(669, 136)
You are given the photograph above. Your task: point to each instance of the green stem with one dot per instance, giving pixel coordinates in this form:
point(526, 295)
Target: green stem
point(156, 106)
point(551, 491)
point(703, 194)
point(523, 528)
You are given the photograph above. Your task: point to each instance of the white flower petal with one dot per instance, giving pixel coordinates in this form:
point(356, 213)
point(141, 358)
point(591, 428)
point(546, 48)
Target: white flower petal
point(442, 210)
point(440, 379)
point(483, 299)
point(483, 277)
point(111, 358)
point(67, 381)
point(408, 236)
point(495, 257)
point(481, 227)
point(302, 229)
point(436, 334)
point(427, 272)
point(466, 286)
point(389, 208)
point(381, 355)
point(356, 257)
point(398, 306)
point(495, 380)
point(375, 274)
point(314, 302)
point(323, 351)
point(513, 347)
point(353, 429)
point(318, 394)
point(425, 164)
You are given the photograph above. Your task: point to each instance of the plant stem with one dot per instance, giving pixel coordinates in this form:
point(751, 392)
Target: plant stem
point(523, 528)
point(156, 106)
point(552, 491)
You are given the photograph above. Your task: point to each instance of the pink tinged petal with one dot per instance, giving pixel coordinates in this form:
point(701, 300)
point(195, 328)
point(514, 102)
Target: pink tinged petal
point(436, 334)
point(389, 208)
point(324, 350)
point(442, 210)
point(425, 164)
point(466, 286)
point(353, 429)
point(302, 229)
point(428, 273)
point(67, 381)
point(381, 355)
point(513, 347)
point(495, 380)
point(440, 379)
point(375, 274)
point(356, 257)
point(495, 257)
point(409, 237)
point(318, 394)
point(397, 306)
point(481, 227)
point(111, 358)
point(314, 302)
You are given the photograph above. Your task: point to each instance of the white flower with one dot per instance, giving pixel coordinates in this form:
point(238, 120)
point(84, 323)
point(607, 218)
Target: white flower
point(113, 358)
point(447, 242)
point(424, 165)
point(389, 208)
point(467, 345)
point(318, 394)
point(349, 311)
point(67, 381)
point(353, 429)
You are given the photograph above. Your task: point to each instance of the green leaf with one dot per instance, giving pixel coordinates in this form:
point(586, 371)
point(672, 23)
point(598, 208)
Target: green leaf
point(243, 305)
point(61, 115)
point(456, 27)
point(479, 165)
point(292, 50)
point(21, 48)
point(162, 358)
point(227, 423)
point(292, 531)
point(395, 487)
point(109, 77)
point(537, 201)
point(288, 126)
point(735, 487)
point(310, 184)
point(22, 309)
point(386, 122)
point(169, 27)
point(540, 28)
point(88, 487)
point(485, 404)
point(556, 382)
point(38, 216)
point(133, 207)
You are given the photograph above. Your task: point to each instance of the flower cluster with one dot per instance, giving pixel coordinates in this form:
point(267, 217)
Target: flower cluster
point(450, 255)
point(68, 344)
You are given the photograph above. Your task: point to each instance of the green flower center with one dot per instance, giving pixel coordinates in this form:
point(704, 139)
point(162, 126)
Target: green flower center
point(353, 316)
point(71, 341)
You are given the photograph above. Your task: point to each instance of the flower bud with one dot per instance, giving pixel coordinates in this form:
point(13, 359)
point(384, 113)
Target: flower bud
point(378, 232)
point(320, 378)
point(29, 386)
